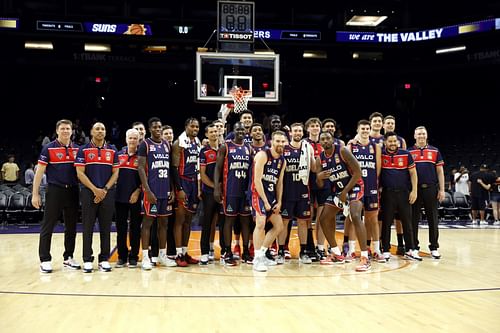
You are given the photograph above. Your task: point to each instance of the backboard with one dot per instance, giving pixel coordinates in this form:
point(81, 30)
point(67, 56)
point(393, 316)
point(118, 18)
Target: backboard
point(218, 73)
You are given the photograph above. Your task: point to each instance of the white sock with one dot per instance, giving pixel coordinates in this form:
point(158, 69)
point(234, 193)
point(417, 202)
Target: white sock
point(236, 242)
point(184, 250)
point(163, 252)
point(376, 246)
point(364, 254)
point(352, 246)
point(336, 250)
point(178, 250)
point(145, 254)
point(321, 247)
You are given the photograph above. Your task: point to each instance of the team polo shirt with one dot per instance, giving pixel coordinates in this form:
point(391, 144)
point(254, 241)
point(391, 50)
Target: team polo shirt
point(60, 163)
point(426, 159)
point(208, 158)
point(129, 180)
point(395, 166)
point(98, 162)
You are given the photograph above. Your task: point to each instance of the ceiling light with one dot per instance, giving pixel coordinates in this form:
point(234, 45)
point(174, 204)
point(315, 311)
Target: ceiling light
point(366, 21)
point(97, 47)
point(451, 49)
point(314, 54)
point(39, 45)
point(155, 48)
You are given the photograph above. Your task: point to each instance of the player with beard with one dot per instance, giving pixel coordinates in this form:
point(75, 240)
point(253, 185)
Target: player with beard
point(267, 189)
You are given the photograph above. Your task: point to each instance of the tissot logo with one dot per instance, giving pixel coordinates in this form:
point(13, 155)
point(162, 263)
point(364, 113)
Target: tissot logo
point(104, 27)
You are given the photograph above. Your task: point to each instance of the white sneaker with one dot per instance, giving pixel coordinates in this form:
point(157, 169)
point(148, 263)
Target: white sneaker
point(435, 254)
point(305, 259)
point(483, 222)
point(71, 263)
point(87, 267)
point(166, 261)
point(259, 264)
point(280, 260)
point(46, 267)
point(496, 223)
point(211, 255)
point(104, 266)
point(146, 264)
point(387, 256)
point(269, 262)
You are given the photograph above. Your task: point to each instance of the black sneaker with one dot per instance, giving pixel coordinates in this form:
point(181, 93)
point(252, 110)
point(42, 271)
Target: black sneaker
point(269, 255)
point(321, 254)
point(247, 258)
point(230, 261)
point(121, 263)
point(132, 263)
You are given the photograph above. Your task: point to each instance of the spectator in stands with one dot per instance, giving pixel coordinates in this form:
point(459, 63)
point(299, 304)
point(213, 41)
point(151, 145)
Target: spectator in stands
point(480, 183)
point(451, 184)
point(10, 171)
point(495, 198)
point(29, 175)
point(461, 179)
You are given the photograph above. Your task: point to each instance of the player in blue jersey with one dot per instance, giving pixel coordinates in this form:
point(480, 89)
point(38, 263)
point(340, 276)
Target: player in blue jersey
point(340, 167)
point(57, 161)
point(318, 195)
point(185, 159)
point(267, 191)
point(154, 169)
point(299, 158)
point(234, 160)
point(97, 169)
point(127, 201)
point(368, 155)
point(330, 125)
point(376, 123)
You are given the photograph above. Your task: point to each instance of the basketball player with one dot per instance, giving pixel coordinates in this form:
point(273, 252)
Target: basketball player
point(330, 125)
point(267, 189)
point(97, 169)
point(318, 195)
point(369, 155)
point(376, 123)
point(342, 169)
point(155, 173)
point(296, 200)
point(167, 134)
point(231, 182)
point(186, 150)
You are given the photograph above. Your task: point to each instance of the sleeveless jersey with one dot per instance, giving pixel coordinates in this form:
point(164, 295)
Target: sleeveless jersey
point(157, 166)
point(317, 148)
point(340, 174)
point(293, 187)
point(188, 167)
point(366, 156)
point(270, 176)
point(377, 140)
point(236, 169)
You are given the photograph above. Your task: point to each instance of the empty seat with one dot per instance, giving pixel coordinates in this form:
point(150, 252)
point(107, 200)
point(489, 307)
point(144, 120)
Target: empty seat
point(463, 205)
point(16, 205)
point(447, 209)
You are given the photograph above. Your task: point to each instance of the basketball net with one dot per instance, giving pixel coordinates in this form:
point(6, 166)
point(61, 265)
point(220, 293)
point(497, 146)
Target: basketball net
point(240, 98)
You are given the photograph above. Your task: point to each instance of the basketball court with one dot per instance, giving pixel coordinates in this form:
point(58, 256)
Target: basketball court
point(459, 293)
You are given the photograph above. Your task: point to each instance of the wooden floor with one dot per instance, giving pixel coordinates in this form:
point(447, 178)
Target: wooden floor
point(459, 293)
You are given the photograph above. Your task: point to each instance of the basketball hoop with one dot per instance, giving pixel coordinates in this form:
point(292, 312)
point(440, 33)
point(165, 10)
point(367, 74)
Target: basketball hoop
point(240, 98)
